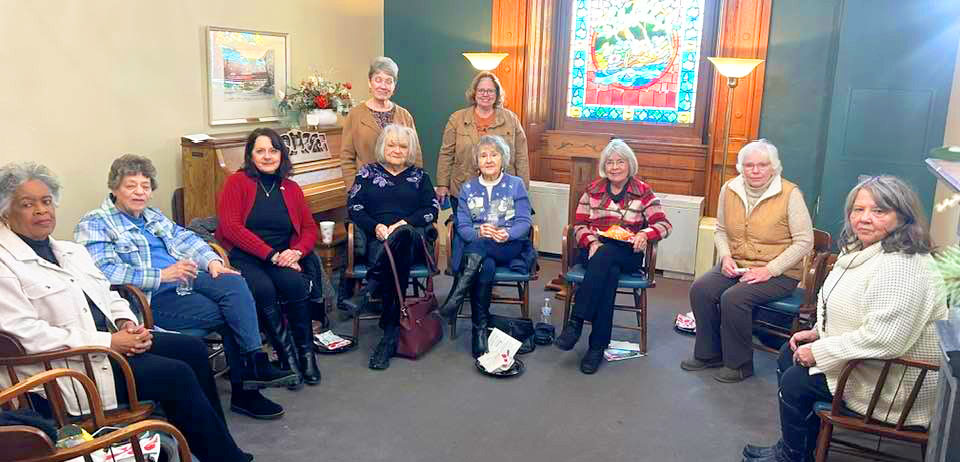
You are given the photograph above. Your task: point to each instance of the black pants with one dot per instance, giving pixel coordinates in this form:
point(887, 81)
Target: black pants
point(273, 285)
point(406, 249)
point(723, 308)
point(175, 373)
point(799, 390)
point(598, 292)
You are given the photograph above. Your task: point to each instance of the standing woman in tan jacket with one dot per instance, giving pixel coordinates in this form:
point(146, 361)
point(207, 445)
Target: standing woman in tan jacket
point(763, 233)
point(364, 123)
point(485, 116)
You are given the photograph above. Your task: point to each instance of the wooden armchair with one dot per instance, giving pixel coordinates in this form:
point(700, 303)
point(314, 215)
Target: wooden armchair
point(835, 413)
point(24, 443)
point(635, 284)
point(357, 271)
point(12, 355)
point(504, 277)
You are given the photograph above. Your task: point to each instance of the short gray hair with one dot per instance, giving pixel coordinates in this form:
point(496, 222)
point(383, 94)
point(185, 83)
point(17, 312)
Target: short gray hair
point(385, 65)
point(129, 165)
point(13, 175)
point(619, 147)
point(402, 132)
point(912, 234)
point(763, 147)
point(498, 143)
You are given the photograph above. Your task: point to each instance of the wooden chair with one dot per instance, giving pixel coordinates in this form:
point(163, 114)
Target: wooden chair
point(798, 308)
point(24, 443)
point(12, 354)
point(357, 271)
point(635, 284)
point(503, 277)
point(835, 413)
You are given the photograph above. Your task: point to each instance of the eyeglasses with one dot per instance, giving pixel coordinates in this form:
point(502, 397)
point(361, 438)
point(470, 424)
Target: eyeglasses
point(486, 91)
point(615, 163)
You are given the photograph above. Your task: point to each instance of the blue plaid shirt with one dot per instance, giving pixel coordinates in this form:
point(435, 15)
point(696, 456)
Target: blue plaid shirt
point(123, 254)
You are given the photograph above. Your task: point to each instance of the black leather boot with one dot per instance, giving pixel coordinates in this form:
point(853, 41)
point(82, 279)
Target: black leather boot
point(570, 334)
point(480, 315)
point(386, 349)
point(357, 303)
point(271, 321)
point(259, 373)
point(301, 328)
point(461, 285)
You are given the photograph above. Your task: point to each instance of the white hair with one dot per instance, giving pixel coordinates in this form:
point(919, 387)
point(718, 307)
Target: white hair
point(763, 147)
point(12, 176)
point(619, 147)
point(401, 132)
point(498, 143)
point(385, 65)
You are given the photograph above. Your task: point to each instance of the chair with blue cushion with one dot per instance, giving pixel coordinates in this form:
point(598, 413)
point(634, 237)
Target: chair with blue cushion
point(357, 271)
point(874, 421)
point(779, 319)
point(503, 277)
point(635, 284)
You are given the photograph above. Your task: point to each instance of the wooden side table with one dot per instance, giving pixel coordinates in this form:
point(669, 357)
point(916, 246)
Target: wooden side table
point(332, 256)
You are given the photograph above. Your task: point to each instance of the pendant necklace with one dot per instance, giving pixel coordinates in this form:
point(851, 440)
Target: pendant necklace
point(274, 185)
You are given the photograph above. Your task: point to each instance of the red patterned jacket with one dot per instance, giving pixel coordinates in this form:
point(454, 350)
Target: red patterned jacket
point(639, 210)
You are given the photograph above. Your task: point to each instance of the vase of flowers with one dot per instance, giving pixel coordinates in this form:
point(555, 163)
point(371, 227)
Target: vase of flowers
point(318, 99)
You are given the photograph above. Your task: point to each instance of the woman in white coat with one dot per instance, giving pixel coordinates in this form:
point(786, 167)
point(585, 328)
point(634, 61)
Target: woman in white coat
point(52, 297)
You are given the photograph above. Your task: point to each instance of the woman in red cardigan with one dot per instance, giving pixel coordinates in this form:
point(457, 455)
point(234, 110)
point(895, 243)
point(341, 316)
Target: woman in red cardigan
point(265, 223)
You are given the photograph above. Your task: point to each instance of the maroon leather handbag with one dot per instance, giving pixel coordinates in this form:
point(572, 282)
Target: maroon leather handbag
point(420, 325)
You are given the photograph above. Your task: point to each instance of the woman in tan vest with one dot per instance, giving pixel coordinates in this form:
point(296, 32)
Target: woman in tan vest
point(485, 116)
point(763, 233)
point(364, 123)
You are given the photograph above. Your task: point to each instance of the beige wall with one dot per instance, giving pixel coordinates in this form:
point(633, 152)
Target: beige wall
point(84, 81)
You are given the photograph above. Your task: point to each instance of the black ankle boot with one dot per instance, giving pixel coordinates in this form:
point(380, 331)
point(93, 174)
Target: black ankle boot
point(480, 315)
point(361, 299)
point(279, 337)
point(254, 404)
point(386, 349)
point(461, 286)
point(259, 373)
point(570, 334)
point(301, 329)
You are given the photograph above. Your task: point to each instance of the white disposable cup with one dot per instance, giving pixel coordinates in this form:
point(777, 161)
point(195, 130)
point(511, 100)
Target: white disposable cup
point(326, 231)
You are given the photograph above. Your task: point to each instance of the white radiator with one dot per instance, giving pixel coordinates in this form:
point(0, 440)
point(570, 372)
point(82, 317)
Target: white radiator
point(550, 202)
point(676, 255)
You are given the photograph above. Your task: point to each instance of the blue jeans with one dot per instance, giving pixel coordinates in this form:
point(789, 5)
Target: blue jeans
point(223, 304)
point(494, 254)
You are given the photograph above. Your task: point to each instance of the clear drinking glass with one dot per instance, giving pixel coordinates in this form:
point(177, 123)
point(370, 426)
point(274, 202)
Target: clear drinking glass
point(185, 286)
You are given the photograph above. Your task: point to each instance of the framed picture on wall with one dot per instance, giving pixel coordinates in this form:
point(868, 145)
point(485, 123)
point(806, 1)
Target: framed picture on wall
point(246, 71)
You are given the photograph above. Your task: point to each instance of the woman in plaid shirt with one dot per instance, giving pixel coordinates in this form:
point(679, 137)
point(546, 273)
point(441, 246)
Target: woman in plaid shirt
point(618, 197)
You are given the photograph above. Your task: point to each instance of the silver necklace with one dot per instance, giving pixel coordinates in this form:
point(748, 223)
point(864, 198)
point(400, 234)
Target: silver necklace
point(274, 185)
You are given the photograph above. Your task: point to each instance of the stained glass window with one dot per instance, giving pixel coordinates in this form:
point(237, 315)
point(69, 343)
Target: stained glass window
point(635, 60)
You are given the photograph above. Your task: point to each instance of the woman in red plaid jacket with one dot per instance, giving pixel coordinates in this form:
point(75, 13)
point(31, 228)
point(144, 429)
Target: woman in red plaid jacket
point(618, 197)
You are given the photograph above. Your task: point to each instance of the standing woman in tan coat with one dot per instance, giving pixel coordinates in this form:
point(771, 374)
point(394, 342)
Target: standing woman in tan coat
point(364, 123)
point(485, 116)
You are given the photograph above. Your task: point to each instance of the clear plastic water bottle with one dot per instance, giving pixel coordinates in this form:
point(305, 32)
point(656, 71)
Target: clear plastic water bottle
point(545, 311)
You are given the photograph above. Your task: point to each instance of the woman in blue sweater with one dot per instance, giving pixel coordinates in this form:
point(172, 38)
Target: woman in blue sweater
point(493, 228)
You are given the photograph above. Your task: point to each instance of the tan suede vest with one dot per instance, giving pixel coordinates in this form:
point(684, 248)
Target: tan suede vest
point(765, 234)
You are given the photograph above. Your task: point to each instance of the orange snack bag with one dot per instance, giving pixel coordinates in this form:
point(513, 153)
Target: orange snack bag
point(617, 232)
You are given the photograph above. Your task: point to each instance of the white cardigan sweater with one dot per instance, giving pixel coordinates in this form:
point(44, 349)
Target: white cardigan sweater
point(880, 305)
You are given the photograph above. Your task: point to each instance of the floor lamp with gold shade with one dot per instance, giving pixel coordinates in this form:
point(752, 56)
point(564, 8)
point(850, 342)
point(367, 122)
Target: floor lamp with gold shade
point(733, 69)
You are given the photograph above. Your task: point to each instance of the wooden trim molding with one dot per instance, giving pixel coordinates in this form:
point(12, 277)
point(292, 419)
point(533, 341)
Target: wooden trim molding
point(508, 34)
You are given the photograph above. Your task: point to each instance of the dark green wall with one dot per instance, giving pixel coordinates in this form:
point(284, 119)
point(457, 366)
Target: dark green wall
point(426, 37)
point(801, 60)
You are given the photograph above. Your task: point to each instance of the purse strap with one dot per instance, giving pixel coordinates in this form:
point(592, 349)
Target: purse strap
point(396, 280)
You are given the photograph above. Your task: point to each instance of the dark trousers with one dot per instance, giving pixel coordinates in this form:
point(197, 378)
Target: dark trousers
point(407, 251)
point(723, 308)
point(799, 390)
point(493, 254)
point(223, 304)
point(598, 292)
point(175, 373)
point(273, 285)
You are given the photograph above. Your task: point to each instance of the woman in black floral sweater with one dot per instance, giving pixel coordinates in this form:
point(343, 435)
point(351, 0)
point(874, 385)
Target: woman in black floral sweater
point(392, 202)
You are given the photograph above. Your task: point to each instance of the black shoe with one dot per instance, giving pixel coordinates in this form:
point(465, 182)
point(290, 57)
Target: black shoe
point(259, 373)
point(591, 361)
point(255, 405)
point(280, 337)
point(570, 334)
point(386, 349)
point(247, 457)
point(461, 286)
point(695, 364)
point(301, 329)
point(728, 375)
point(354, 305)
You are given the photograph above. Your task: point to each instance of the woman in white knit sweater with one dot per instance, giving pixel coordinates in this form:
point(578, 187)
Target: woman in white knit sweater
point(880, 301)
